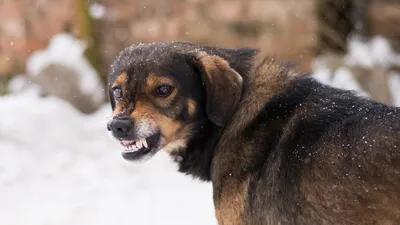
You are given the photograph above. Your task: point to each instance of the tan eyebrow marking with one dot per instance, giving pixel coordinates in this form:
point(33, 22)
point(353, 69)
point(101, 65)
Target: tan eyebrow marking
point(122, 81)
point(153, 81)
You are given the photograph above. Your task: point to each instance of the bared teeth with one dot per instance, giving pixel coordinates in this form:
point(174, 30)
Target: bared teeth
point(131, 146)
point(124, 142)
point(144, 141)
point(139, 144)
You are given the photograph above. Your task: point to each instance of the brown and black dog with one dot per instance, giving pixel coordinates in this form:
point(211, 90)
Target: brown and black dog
point(279, 147)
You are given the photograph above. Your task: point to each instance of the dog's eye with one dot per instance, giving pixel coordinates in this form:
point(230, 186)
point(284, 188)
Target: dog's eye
point(164, 90)
point(117, 93)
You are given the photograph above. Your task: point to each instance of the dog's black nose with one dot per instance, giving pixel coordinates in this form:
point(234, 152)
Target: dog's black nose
point(120, 127)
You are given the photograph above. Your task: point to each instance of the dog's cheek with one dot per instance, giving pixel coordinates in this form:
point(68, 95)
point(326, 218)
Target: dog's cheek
point(168, 127)
point(191, 108)
point(145, 127)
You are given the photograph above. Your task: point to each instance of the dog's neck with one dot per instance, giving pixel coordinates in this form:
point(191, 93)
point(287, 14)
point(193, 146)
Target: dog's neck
point(268, 80)
point(196, 159)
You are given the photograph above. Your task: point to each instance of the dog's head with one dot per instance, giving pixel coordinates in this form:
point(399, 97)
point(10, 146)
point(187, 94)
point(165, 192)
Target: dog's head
point(160, 92)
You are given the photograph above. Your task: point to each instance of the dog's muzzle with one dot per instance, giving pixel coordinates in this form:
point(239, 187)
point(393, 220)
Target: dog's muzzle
point(120, 128)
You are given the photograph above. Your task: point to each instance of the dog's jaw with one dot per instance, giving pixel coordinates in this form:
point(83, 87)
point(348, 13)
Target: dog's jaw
point(193, 155)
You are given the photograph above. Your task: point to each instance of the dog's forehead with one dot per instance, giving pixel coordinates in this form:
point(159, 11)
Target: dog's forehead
point(149, 55)
point(141, 60)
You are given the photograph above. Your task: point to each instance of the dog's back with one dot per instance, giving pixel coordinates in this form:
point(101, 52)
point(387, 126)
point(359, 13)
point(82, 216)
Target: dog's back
point(313, 155)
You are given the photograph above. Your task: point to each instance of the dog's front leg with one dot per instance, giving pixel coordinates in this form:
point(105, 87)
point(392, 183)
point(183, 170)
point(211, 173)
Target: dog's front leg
point(230, 201)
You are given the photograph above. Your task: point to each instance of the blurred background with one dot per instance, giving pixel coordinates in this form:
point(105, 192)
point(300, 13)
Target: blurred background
point(58, 166)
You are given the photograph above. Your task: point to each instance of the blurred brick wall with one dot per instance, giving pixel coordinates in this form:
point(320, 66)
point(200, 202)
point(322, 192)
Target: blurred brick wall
point(282, 28)
point(384, 17)
point(27, 25)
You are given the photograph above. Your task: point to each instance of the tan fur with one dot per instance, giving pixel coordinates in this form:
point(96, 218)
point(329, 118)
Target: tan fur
point(267, 81)
point(220, 81)
point(229, 210)
point(191, 107)
point(121, 81)
point(119, 109)
point(167, 126)
point(213, 62)
point(153, 81)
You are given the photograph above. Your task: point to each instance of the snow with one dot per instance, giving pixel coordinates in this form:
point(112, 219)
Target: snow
point(344, 79)
point(373, 53)
point(97, 10)
point(58, 166)
point(68, 51)
point(394, 87)
point(340, 78)
point(321, 72)
point(20, 83)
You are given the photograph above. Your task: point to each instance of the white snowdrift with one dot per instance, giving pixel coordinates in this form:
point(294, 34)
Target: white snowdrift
point(58, 166)
point(375, 52)
point(66, 50)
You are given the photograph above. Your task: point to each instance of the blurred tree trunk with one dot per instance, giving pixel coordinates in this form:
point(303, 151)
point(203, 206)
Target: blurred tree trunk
point(3, 85)
point(87, 28)
point(360, 18)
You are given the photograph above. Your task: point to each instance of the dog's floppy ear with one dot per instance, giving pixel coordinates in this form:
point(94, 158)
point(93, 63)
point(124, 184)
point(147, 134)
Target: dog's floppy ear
point(223, 86)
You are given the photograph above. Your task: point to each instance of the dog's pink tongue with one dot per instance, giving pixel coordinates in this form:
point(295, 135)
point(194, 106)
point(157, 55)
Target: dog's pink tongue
point(127, 142)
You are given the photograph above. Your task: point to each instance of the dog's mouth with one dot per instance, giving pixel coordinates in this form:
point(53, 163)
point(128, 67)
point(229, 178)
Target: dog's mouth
point(137, 149)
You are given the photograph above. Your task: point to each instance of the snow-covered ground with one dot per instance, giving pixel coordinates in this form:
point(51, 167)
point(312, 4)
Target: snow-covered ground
point(58, 166)
point(66, 50)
